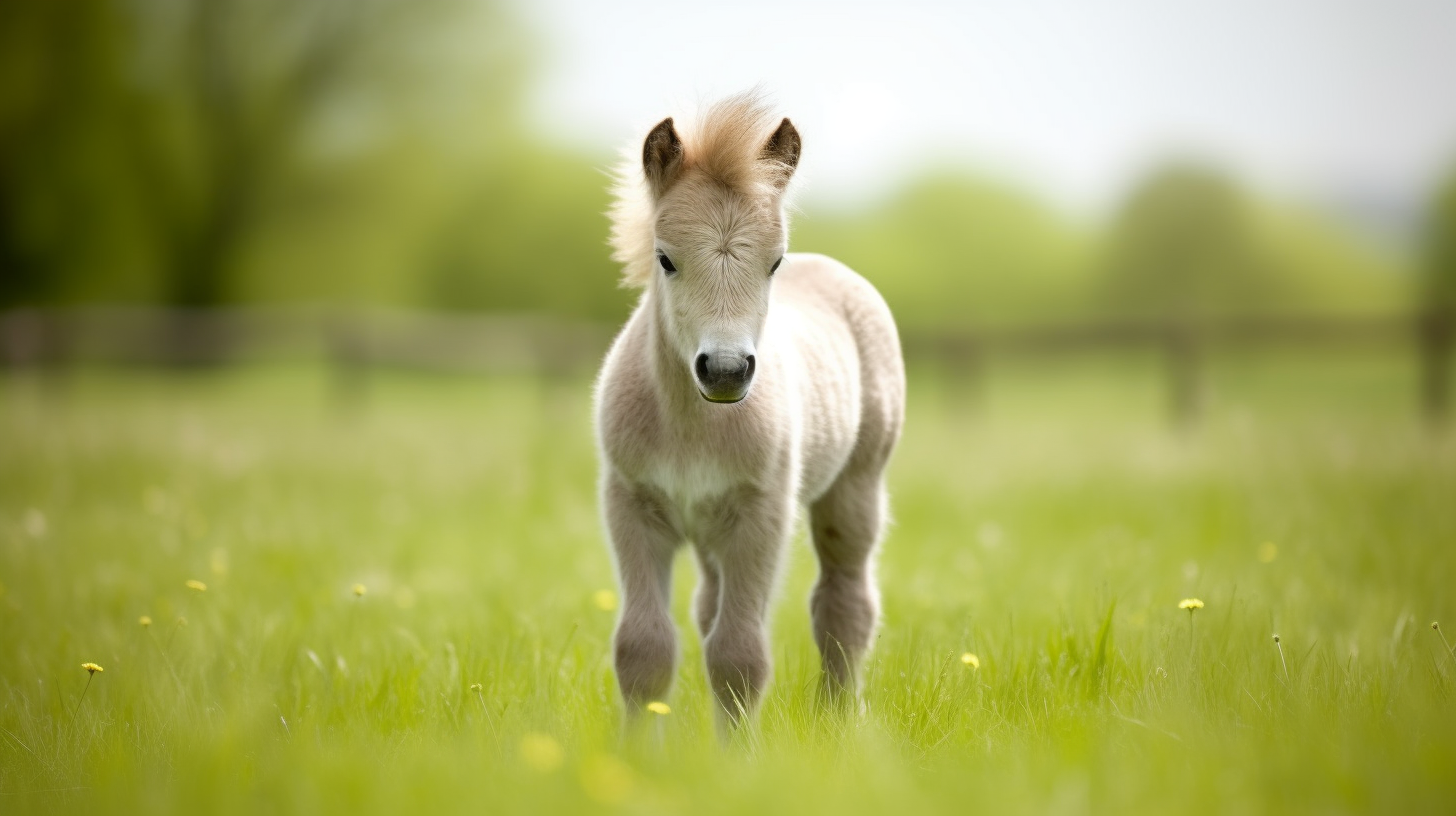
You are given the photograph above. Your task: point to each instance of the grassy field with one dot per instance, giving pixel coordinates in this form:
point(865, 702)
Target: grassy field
point(1048, 523)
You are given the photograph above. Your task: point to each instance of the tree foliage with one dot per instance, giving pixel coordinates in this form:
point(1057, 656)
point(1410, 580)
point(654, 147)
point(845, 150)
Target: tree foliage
point(171, 137)
point(952, 250)
point(1183, 247)
point(375, 151)
point(1438, 270)
point(1189, 244)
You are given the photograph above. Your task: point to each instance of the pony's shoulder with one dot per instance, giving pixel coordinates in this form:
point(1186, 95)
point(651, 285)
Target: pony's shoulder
point(816, 283)
point(825, 276)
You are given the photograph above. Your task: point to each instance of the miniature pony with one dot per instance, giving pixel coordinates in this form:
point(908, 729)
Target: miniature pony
point(748, 382)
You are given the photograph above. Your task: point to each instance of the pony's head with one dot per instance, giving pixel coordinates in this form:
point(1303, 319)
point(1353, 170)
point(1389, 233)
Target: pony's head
point(702, 226)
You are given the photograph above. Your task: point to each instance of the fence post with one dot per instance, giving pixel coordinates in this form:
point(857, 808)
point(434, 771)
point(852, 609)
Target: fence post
point(1437, 330)
point(1183, 343)
point(958, 363)
point(349, 363)
point(25, 338)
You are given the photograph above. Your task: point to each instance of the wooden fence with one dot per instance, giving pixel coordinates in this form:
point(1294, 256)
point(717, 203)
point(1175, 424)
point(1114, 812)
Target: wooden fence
point(354, 341)
point(1185, 348)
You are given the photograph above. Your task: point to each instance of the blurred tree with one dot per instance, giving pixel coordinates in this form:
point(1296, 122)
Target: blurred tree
point(1183, 248)
point(166, 135)
point(530, 236)
point(58, 94)
point(1438, 279)
point(245, 101)
point(1438, 302)
point(952, 251)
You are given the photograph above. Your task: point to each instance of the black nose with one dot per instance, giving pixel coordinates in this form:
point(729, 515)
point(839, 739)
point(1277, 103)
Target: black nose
point(724, 377)
point(724, 367)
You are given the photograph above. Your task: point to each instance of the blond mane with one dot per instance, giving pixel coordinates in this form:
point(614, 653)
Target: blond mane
point(724, 145)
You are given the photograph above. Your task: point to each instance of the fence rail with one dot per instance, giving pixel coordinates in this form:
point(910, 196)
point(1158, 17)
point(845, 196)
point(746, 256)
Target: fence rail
point(356, 337)
point(355, 340)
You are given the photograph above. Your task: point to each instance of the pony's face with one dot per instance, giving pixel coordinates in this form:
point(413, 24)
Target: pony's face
point(717, 251)
point(717, 248)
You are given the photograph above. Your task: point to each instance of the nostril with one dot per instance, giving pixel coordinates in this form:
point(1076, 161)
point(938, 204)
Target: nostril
point(701, 367)
point(749, 372)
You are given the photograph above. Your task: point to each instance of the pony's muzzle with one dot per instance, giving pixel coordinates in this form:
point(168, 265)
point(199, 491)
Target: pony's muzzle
point(724, 377)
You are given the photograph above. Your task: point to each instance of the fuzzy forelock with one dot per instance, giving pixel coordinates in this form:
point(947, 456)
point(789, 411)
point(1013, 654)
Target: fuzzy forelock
point(723, 145)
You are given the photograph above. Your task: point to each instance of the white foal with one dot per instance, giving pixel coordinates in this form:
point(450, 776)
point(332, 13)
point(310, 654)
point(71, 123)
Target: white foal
point(747, 383)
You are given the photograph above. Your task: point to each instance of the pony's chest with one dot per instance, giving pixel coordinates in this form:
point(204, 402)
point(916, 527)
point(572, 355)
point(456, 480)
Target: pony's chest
point(690, 485)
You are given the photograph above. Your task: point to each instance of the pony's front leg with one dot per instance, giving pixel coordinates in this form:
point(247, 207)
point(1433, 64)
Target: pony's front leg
point(745, 539)
point(646, 642)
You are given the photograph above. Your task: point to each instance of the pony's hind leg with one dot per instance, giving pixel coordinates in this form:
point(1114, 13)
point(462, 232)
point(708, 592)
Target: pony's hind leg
point(846, 523)
point(645, 644)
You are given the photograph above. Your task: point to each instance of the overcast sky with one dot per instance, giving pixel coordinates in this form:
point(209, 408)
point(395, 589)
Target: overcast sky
point(1330, 99)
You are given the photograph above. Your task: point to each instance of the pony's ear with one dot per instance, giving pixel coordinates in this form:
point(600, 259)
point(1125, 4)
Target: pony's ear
point(662, 156)
point(782, 149)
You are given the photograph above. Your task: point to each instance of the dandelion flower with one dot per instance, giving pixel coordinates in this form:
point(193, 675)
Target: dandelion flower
point(197, 585)
point(605, 600)
point(359, 590)
point(659, 708)
point(91, 669)
point(971, 660)
point(541, 753)
point(145, 621)
point(1192, 605)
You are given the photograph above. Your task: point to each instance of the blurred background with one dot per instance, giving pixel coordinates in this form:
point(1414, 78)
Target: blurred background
point(422, 183)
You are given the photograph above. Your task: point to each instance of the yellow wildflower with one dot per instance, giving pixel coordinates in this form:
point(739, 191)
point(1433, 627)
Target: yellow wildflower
point(660, 708)
point(605, 599)
point(1192, 605)
point(971, 660)
point(91, 669)
point(197, 585)
point(541, 753)
point(359, 590)
point(1268, 552)
point(145, 620)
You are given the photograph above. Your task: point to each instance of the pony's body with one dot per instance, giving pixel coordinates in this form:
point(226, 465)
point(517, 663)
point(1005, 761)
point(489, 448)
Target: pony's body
point(819, 351)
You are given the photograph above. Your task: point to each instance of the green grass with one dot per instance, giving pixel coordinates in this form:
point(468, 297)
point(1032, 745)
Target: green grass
point(1047, 522)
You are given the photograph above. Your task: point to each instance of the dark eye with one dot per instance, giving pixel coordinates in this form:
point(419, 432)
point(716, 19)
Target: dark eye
point(666, 263)
point(775, 267)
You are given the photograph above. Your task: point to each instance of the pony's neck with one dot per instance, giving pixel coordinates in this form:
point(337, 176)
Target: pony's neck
point(672, 378)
